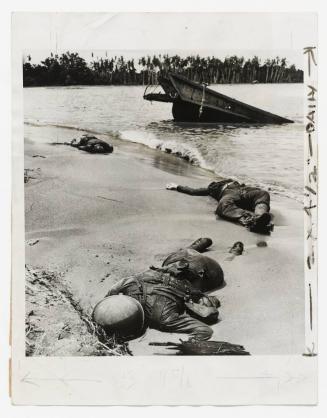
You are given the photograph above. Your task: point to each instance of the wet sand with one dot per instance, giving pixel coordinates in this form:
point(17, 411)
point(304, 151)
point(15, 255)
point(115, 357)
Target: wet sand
point(93, 219)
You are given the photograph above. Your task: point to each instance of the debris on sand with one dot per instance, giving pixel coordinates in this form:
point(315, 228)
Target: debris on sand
point(28, 176)
point(40, 156)
point(107, 198)
point(204, 348)
point(237, 248)
point(65, 332)
point(104, 278)
point(55, 323)
point(33, 242)
point(262, 244)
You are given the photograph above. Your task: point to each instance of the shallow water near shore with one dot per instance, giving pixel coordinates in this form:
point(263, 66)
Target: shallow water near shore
point(270, 156)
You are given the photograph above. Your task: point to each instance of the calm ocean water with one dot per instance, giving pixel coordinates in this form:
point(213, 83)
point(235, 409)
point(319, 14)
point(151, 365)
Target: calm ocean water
point(270, 156)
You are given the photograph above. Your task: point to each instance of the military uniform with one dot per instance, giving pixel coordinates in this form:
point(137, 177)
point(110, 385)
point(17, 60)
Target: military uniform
point(236, 202)
point(92, 144)
point(203, 272)
point(163, 299)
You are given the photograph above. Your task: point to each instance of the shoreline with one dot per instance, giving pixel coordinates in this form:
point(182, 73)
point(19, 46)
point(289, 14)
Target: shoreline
point(185, 153)
point(98, 218)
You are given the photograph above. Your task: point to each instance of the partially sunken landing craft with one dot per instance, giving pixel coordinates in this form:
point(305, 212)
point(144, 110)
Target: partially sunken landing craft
point(194, 102)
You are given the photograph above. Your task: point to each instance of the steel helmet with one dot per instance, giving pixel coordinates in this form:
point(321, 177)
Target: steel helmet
point(119, 314)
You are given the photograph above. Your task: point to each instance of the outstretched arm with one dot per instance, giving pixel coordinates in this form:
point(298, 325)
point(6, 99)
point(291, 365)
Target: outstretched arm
point(202, 191)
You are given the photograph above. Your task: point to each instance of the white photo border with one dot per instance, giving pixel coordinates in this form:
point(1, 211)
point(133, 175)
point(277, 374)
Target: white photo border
point(148, 380)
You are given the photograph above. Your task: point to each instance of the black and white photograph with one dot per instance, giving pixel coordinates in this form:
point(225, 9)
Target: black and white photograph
point(164, 184)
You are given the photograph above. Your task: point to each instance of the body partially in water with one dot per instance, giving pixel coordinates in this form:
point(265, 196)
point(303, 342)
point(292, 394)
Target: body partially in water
point(270, 156)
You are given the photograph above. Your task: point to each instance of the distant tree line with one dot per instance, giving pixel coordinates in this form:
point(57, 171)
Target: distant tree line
point(71, 69)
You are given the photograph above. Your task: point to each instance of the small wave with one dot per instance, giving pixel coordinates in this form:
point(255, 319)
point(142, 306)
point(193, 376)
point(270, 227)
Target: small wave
point(279, 190)
point(194, 156)
point(178, 149)
point(275, 188)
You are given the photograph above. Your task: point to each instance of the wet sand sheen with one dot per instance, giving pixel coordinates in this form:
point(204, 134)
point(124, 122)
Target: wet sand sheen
point(99, 218)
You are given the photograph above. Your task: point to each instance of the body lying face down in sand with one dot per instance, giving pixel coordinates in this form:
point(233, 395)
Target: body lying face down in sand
point(92, 144)
point(173, 296)
point(246, 205)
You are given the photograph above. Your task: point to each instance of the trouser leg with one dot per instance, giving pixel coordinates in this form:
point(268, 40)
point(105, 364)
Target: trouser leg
point(229, 206)
point(256, 200)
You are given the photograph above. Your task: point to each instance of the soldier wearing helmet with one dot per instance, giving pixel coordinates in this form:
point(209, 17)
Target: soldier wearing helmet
point(171, 296)
point(163, 297)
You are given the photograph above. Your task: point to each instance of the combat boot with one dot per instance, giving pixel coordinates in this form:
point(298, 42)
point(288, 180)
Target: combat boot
point(201, 244)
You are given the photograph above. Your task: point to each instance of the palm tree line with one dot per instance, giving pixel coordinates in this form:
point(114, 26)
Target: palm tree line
point(71, 69)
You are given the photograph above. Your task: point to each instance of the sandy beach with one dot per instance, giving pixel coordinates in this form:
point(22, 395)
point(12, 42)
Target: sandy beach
point(93, 219)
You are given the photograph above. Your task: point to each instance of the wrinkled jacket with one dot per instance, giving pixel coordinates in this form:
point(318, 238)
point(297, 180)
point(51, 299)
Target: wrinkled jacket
point(214, 189)
point(156, 282)
point(164, 299)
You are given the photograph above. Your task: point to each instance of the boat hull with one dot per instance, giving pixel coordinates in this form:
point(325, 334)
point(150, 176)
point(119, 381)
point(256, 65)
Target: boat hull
point(189, 112)
point(193, 102)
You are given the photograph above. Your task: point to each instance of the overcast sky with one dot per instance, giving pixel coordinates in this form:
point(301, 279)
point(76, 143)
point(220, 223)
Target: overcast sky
point(135, 34)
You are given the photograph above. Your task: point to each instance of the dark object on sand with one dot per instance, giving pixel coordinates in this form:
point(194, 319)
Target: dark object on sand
point(237, 248)
point(262, 244)
point(201, 244)
point(205, 348)
point(92, 144)
point(194, 102)
point(27, 176)
point(31, 243)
